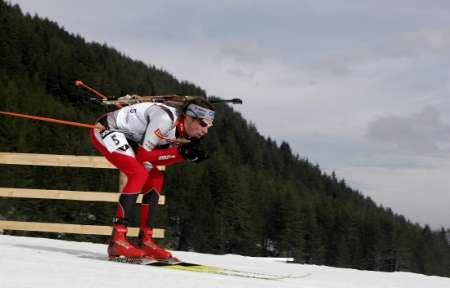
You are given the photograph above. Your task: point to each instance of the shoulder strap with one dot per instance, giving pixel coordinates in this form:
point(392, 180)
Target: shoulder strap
point(168, 111)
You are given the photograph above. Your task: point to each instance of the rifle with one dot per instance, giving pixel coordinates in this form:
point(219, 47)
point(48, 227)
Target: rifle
point(172, 100)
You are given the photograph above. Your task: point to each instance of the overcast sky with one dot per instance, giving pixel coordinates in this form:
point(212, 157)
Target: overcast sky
point(358, 87)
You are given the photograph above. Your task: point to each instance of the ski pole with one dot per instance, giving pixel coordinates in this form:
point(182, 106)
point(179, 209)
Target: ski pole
point(53, 120)
point(102, 97)
point(80, 83)
point(78, 124)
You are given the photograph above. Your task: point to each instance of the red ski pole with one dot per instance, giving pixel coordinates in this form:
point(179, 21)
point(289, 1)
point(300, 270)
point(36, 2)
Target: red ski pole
point(102, 97)
point(53, 120)
point(80, 83)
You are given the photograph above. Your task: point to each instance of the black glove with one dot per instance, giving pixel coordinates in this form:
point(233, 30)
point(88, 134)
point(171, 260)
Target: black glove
point(192, 152)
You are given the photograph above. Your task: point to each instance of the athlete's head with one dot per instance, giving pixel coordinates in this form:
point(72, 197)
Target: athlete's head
point(199, 116)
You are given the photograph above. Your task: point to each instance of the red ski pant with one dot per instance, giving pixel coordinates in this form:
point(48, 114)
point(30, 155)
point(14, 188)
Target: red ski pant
point(139, 179)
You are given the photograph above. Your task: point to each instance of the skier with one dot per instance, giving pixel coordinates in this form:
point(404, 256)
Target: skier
point(136, 139)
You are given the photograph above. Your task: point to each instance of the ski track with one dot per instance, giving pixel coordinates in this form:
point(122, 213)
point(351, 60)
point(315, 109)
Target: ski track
point(39, 262)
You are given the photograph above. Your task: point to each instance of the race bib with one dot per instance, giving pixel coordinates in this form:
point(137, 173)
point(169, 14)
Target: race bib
point(114, 141)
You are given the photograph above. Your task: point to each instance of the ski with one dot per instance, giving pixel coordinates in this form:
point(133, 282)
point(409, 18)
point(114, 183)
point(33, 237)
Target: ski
point(193, 267)
point(133, 260)
point(176, 264)
point(146, 261)
point(168, 262)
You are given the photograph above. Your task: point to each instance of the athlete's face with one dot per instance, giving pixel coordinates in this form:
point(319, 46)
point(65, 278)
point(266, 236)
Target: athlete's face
point(195, 127)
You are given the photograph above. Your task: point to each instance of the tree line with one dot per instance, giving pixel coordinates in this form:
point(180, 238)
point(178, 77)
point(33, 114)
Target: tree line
point(252, 197)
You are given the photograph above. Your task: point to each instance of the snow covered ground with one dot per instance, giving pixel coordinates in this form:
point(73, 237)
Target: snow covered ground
point(39, 262)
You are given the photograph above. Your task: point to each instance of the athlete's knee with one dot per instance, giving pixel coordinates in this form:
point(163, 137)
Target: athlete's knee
point(155, 181)
point(136, 179)
point(151, 198)
point(139, 173)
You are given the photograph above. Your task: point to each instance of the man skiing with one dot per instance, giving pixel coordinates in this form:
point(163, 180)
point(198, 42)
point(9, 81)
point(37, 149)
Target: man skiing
point(136, 139)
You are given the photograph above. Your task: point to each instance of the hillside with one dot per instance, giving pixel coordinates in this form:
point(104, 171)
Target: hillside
point(252, 197)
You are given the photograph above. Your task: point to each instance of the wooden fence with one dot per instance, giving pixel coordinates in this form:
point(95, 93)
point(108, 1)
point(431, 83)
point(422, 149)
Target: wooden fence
point(63, 161)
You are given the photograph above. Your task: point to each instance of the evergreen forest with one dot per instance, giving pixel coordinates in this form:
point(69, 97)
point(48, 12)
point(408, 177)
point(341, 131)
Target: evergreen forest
point(253, 196)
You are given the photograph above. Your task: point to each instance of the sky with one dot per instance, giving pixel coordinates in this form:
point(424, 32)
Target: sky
point(358, 87)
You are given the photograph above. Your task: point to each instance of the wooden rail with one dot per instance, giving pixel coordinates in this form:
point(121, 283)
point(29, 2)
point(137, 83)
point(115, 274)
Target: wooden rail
point(63, 161)
point(70, 228)
point(57, 160)
point(54, 160)
point(66, 195)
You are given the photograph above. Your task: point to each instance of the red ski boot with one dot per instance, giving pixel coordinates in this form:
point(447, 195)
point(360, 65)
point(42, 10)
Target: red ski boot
point(152, 249)
point(119, 245)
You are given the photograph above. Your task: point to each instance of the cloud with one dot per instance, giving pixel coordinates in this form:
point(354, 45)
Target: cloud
point(419, 193)
point(423, 132)
point(247, 52)
point(418, 47)
point(241, 73)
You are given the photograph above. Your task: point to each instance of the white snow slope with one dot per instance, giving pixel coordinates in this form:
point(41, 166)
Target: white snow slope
point(39, 262)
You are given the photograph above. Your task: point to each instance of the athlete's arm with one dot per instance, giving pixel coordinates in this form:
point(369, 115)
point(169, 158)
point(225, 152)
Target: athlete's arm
point(159, 125)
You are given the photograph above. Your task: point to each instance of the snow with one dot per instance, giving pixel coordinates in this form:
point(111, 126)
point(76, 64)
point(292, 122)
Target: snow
point(39, 262)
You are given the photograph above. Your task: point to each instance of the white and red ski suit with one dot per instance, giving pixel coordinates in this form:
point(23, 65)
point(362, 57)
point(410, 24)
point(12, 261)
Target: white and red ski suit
point(136, 139)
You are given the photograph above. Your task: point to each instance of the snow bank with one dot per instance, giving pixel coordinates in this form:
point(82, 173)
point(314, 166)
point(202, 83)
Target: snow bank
point(46, 263)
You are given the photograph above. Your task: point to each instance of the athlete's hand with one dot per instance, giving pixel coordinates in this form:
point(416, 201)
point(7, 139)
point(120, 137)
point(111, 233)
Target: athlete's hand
point(192, 152)
point(198, 156)
point(147, 165)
